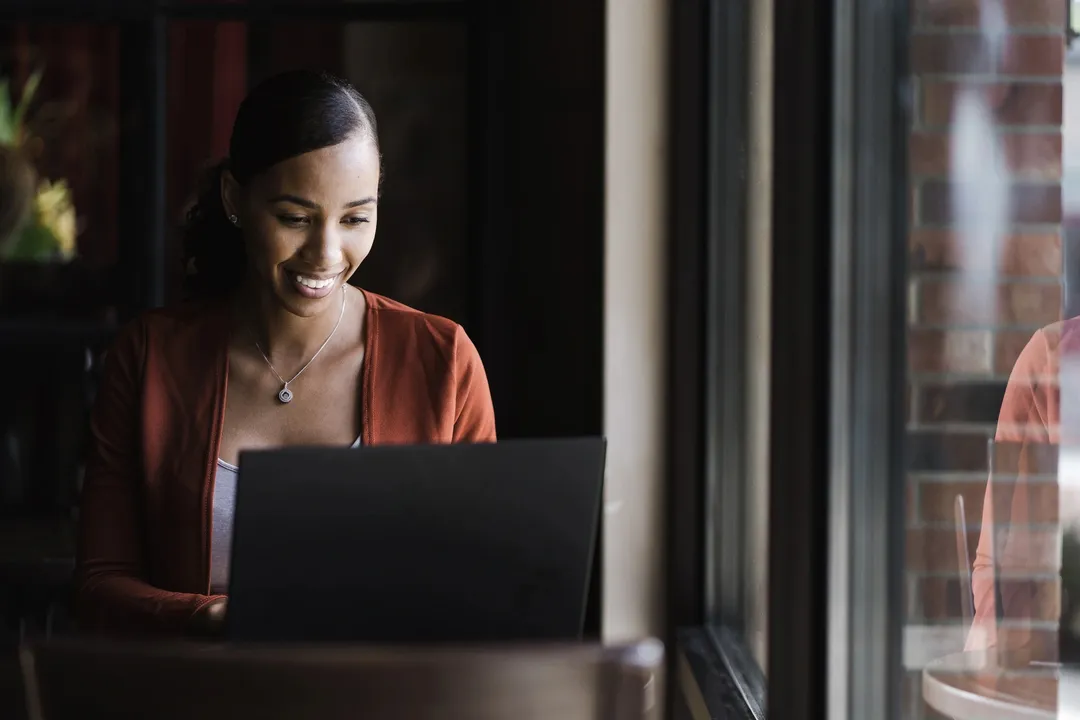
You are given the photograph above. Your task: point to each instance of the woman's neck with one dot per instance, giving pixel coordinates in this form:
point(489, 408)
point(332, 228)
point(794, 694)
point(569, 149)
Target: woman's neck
point(284, 337)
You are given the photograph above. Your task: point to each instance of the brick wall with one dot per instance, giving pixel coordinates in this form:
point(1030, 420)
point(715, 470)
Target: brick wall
point(960, 353)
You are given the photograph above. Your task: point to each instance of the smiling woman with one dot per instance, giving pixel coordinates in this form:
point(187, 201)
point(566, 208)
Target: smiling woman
point(273, 348)
point(285, 179)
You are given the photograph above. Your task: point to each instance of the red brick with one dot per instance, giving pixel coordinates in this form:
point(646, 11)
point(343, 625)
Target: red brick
point(967, 13)
point(1034, 55)
point(938, 53)
point(933, 550)
point(1032, 255)
point(1013, 103)
point(959, 303)
point(1021, 255)
point(911, 495)
point(1023, 55)
point(1034, 203)
point(1007, 347)
point(949, 351)
point(945, 451)
point(1028, 155)
point(1033, 460)
point(1029, 303)
point(937, 501)
point(911, 695)
point(968, 402)
point(938, 598)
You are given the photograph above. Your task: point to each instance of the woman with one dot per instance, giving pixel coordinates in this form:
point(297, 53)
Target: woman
point(1017, 518)
point(275, 349)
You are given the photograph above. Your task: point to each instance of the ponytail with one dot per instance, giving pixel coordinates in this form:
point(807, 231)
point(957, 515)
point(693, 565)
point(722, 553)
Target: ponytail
point(214, 255)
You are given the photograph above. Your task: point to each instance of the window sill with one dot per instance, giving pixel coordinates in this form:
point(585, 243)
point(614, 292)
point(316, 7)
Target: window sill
point(715, 678)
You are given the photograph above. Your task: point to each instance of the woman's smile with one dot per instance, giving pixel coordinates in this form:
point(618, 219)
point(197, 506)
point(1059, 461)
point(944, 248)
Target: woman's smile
point(312, 286)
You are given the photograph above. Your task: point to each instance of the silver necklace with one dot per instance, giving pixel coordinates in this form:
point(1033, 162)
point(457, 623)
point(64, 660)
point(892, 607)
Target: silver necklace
point(285, 395)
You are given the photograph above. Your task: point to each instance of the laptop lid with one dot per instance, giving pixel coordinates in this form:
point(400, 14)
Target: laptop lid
point(399, 544)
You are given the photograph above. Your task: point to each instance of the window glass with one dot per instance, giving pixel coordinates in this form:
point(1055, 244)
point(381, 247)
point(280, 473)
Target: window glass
point(993, 177)
point(738, 321)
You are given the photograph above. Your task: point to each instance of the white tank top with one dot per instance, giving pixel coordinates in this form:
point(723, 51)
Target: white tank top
point(221, 535)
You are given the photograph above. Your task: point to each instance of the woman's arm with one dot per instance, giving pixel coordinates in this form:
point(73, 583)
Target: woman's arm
point(1024, 423)
point(111, 591)
point(475, 419)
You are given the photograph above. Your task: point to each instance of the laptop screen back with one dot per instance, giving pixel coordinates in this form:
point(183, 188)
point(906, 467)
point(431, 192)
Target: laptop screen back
point(454, 543)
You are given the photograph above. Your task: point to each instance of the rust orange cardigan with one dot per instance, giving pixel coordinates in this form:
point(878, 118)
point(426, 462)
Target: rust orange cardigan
point(143, 562)
point(1029, 424)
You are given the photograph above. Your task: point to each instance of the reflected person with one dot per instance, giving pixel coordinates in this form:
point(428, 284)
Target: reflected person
point(1016, 523)
point(273, 348)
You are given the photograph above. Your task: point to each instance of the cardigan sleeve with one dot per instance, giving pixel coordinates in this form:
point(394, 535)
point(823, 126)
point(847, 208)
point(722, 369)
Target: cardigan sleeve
point(1023, 436)
point(474, 420)
point(112, 594)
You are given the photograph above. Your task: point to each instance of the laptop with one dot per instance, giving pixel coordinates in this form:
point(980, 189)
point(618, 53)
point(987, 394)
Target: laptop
point(415, 544)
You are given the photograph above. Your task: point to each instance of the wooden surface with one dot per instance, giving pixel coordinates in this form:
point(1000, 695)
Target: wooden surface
point(75, 679)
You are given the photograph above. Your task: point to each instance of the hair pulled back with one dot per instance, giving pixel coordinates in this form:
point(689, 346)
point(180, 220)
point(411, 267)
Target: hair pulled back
point(287, 115)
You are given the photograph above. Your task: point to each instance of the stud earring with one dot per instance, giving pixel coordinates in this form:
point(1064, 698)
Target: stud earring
point(234, 220)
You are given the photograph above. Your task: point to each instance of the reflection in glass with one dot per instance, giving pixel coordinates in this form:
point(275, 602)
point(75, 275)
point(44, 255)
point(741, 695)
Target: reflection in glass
point(989, 367)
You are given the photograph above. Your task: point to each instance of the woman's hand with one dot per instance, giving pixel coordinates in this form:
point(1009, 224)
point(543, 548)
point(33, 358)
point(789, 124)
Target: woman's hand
point(209, 621)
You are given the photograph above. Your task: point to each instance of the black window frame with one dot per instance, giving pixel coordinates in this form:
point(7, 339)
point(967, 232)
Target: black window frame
point(839, 238)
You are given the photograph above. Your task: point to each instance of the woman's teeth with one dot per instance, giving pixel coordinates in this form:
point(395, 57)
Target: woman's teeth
point(313, 283)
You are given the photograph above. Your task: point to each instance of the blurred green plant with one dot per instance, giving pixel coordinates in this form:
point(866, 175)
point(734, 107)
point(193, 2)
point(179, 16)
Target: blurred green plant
point(13, 117)
point(37, 217)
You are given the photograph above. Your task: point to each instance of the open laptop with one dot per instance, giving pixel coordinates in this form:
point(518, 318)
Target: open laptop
point(427, 544)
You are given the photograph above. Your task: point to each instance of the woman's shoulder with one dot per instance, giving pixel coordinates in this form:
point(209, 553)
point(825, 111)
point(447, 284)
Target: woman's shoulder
point(1042, 353)
point(396, 318)
point(404, 335)
point(186, 325)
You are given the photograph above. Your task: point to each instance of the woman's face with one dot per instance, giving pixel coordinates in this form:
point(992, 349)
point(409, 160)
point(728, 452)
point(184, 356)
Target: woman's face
point(309, 222)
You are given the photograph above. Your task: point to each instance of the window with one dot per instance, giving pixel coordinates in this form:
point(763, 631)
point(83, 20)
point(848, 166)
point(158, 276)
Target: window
point(738, 330)
point(990, 280)
point(721, 354)
point(741, 260)
point(920, 470)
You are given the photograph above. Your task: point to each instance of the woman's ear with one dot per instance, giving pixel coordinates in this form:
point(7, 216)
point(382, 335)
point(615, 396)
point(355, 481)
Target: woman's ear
point(230, 193)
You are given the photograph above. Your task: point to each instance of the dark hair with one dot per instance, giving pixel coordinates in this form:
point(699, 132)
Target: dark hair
point(286, 115)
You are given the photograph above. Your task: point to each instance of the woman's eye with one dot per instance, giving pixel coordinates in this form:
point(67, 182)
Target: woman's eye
point(293, 220)
point(355, 220)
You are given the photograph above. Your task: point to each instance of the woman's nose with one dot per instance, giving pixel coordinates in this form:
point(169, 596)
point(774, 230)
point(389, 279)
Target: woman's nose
point(324, 247)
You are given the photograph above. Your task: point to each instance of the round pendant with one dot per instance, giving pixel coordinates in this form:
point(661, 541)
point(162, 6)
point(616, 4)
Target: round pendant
point(285, 395)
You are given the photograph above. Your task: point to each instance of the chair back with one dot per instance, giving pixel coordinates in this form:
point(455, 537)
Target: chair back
point(77, 678)
point(964, 560)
